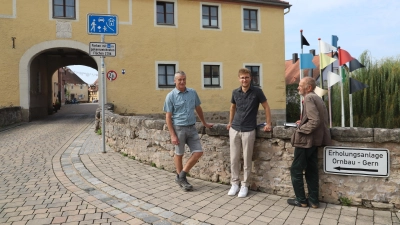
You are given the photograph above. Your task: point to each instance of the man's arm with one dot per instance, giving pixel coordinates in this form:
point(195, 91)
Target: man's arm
point(199, 112)
point(232, 111)
point(313, 118)
point(268, 122)
point(168, 119)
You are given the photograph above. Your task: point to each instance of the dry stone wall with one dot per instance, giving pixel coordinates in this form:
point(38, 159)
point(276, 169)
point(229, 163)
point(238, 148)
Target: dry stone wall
point(148, 140)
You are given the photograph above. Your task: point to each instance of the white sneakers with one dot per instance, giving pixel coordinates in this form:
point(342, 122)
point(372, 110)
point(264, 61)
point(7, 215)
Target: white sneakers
point(235, 188)
point(243, 192)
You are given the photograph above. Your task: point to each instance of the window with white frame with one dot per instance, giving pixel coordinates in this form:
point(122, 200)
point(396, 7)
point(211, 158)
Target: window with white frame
point(211, 75)
point(165, 13)
point(210, 15)
point(251, 19)
point(65, 9)
point(255, 74)
point(165, 75)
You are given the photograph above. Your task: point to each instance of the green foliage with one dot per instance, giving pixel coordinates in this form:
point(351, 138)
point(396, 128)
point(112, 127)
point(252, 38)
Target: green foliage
point(124, 154)
point(345, 201)
point(132, 157)
point(153, 164)
point(98, 132)
point(377, 106)
point(292, 103)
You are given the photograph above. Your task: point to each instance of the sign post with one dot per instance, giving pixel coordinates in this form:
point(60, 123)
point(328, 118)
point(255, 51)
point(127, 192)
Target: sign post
point(102, 24)
point(373, 162)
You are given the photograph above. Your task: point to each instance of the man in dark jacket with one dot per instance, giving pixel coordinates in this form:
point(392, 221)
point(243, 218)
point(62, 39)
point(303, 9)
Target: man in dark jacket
point(312, 131)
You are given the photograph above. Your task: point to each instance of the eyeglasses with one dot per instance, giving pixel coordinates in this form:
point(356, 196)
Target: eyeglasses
point(244, 78)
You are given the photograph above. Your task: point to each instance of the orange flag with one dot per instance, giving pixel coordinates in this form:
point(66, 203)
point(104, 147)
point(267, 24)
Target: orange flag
point(344, 57)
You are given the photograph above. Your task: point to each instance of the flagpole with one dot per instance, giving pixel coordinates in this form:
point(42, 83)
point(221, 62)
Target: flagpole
point(351, 104)
point(321, 76)
point(329, 97)
point(301, 73)
point(341, 90)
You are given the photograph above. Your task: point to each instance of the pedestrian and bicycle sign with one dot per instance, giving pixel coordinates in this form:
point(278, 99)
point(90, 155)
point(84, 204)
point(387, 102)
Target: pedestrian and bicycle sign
point(373, 162)
point(102, 49)
point(106, 24)
point(111, 75)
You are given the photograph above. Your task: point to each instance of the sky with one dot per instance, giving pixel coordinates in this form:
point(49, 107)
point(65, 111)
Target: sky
point(372, 25)
point(87, 74)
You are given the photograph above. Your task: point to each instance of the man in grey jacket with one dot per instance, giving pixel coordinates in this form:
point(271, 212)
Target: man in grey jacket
point(312, 131)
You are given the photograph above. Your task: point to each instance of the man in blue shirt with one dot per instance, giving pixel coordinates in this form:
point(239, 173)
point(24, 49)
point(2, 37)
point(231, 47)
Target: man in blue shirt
point(242, 129)
point(179, 106)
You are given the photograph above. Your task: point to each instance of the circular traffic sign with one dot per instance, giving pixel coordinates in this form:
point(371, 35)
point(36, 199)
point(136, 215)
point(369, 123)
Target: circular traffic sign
point(111, 75)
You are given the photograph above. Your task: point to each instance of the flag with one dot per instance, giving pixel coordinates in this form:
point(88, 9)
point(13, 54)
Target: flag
point(355, 64)
point(333, 78)
point(344, 57)
point(320, 92)
point(325, 60)
point(344, 73)
point(306, 61)
point(356, 85)
point(325, 47)
point(303, 41)
point(334, 40)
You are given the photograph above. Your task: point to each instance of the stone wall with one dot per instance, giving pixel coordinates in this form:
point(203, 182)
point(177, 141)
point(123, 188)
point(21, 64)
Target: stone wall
point(10, 115)
point(148, 140)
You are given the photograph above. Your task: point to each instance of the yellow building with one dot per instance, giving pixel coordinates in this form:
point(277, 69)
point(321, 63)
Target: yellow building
point(209, 40)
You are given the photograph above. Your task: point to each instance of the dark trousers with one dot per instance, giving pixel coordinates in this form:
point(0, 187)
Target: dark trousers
point(305, 159)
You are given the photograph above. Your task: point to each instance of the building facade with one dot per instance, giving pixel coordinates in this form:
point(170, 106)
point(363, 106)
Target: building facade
point(209, 40)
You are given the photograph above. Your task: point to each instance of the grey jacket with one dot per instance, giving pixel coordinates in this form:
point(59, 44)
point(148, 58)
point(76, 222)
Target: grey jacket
point(313, 129)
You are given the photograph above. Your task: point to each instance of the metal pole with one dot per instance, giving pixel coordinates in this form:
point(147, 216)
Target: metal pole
point(103, 101)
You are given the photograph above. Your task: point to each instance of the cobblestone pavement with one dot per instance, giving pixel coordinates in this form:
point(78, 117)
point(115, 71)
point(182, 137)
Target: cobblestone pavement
point(53, 172)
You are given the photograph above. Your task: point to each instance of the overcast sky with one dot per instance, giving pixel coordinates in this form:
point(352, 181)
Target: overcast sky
point(361, 25)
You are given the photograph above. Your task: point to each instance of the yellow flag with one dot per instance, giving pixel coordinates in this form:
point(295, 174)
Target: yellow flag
point(320, 92)
point(326, 60)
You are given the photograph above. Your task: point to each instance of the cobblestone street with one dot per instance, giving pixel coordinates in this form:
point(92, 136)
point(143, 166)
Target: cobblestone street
point(53, 172)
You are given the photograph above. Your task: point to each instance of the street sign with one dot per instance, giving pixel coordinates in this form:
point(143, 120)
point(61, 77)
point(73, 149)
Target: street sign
point(111, 75)
point(102, 49)
point(373, 162)
point(106, 24)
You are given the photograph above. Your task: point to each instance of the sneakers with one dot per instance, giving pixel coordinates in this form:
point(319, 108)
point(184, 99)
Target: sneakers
point(312, 205)
point(234, 189)
point(243, 191)
point(293, 201)
point(183, 183)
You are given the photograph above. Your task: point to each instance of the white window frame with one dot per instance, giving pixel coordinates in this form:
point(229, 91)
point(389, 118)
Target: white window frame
point(219, 16)
point(260, 71)
point(14, 11)
point(221, 73)
point(175, 14)
point(156, 69)
point(258, 19)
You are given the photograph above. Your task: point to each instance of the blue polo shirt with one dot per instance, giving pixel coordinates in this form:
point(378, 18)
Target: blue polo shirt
point(182, 105)
point(247, 104)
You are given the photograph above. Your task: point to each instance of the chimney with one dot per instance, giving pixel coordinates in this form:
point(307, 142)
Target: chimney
point(295, 57)
point(310, 71)
point(312, 51)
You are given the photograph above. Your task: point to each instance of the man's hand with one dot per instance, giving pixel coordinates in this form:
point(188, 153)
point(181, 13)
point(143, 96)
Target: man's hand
point(174, 140)
point(267, 127)
point(228, 126)
point(208, 125)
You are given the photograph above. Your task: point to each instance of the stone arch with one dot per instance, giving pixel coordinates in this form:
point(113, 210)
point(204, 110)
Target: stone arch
point(25, 64)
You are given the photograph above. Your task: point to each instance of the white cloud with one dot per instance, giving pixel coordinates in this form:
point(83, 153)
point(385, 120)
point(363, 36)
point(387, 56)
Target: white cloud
point(87, 74)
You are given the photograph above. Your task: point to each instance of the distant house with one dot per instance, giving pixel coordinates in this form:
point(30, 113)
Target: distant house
point(72, 87)
point(94, 91)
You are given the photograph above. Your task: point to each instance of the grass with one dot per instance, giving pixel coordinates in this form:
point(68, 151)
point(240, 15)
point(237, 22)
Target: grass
point(345, 201)
point(98, 132)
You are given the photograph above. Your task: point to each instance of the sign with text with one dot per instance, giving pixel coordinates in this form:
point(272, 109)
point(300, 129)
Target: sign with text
point(102, 49)
point(106, 24)
point(357, 161)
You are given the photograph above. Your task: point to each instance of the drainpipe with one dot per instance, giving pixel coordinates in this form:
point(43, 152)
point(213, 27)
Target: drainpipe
point(287, 11)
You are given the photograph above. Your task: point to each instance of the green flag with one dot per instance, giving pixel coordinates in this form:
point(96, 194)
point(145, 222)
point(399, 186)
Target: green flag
point(344, 75)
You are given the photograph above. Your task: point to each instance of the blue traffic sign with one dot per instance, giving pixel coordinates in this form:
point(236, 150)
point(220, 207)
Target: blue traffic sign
point(106, 24)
